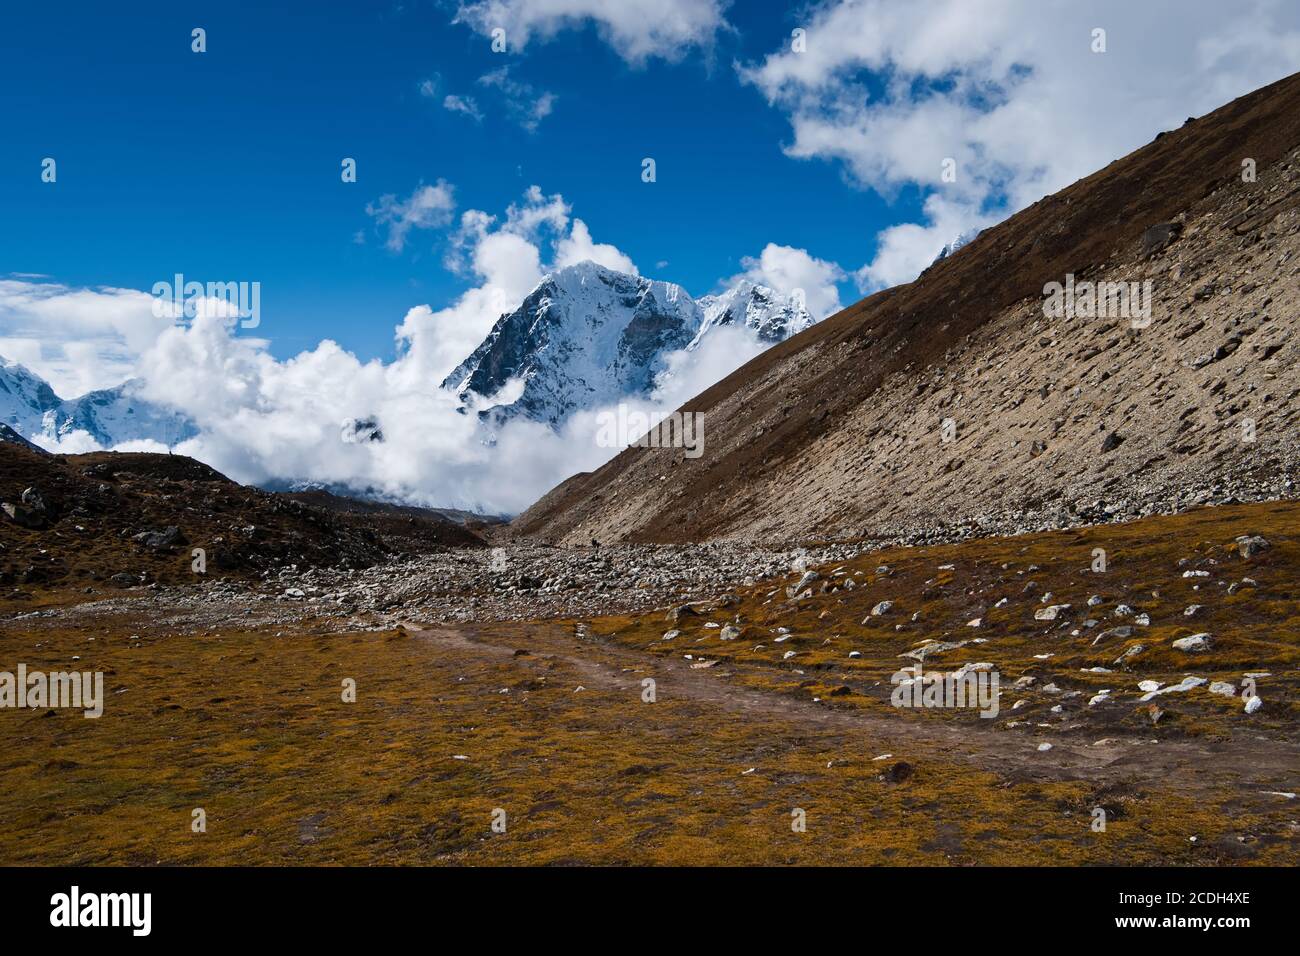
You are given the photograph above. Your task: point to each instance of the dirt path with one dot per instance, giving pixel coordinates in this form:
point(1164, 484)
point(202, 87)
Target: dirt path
point(1250, 765)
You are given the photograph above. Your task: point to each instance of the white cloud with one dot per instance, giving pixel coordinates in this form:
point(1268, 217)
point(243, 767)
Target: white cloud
point(77, 339)
point(523, 102)
point(578, 247)
point(426, 208)
point(903, 250)
point(1011, 91)
point(636, 29)
point(463, 104)
point(787, 269)
point(262, 419)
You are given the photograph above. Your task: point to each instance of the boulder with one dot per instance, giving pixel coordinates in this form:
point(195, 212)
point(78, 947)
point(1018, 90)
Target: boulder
point(1194, 644)
point(1249, 545)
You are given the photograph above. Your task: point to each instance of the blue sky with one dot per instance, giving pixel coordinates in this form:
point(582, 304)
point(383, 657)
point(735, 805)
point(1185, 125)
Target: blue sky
point(225, 165)
point(818, 166)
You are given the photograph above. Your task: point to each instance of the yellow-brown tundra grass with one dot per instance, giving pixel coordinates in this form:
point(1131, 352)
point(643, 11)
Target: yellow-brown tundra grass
point(251, 727)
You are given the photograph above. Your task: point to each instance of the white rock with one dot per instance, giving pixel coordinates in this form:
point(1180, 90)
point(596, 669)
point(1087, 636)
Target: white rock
point(1187, 683)
point(1194, 644)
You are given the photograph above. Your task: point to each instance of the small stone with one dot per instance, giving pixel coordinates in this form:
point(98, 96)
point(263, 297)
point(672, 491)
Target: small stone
point(1249, 545)
point(897, 773)
point(1194, 644)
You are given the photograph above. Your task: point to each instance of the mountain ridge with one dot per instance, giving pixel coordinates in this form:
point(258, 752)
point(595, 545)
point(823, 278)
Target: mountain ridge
point(835, 432)
point(111, 416)
point(588, 336)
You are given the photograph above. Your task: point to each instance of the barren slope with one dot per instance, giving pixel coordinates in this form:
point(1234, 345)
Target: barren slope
point(837, 433)
point(135, 518)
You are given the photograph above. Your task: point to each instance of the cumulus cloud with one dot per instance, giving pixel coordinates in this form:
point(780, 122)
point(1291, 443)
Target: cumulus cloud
point(903, 250)
point(787, 269)
point(636, 29)
point(1011, 91)
point(265, 420)
point(77, 339)
point(579, 247)
point(426, 208)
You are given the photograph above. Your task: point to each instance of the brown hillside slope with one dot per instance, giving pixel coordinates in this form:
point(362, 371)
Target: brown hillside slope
point(134, 518)
point(838, 431)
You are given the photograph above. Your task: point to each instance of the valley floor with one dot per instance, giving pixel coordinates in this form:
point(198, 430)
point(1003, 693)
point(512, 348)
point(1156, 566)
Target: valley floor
point(235, 707)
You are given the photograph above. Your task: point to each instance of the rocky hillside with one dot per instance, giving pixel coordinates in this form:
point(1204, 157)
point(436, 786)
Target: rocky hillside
point(955, 405)
point(129, 519)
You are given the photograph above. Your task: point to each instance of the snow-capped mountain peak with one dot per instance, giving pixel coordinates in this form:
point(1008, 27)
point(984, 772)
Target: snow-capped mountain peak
point(588, 336)
point(956, 244)
point(110, 416)
point(772, 316)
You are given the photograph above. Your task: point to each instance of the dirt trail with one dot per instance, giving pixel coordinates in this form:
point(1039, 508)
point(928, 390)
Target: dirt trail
point(1249, 765)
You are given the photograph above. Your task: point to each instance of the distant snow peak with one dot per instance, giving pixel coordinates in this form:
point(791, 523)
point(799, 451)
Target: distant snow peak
point(110, 416)
point(772, 316)
point(954, 245)
point(588, 336)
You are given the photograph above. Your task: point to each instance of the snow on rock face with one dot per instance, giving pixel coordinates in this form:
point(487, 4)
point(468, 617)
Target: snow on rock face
point(773, 316)
point(955, 244)
point(25, 398)
point(589, 336)
point(358, 431)
point(110, 416)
